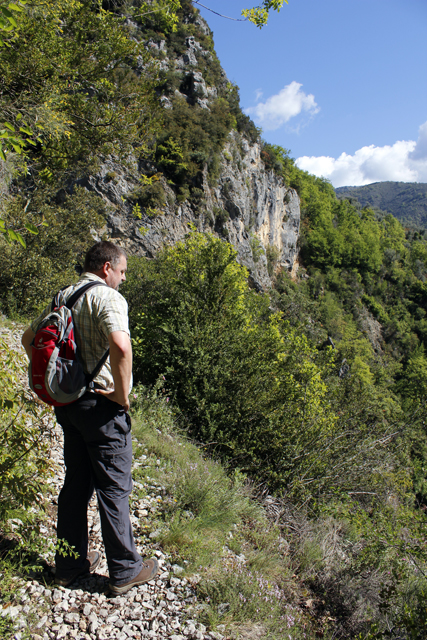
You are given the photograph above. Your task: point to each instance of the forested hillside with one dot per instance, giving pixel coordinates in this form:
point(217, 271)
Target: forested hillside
point(291, 353)
point(406, 201)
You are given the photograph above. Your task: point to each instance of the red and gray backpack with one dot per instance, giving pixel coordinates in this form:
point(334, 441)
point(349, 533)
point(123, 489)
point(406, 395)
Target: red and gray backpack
point(56, 373)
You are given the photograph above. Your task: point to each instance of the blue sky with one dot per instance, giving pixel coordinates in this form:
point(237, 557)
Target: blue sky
point(341, 83)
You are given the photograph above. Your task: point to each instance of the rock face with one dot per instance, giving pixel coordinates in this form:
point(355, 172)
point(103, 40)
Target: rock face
point(258, 214)
point(249, 206)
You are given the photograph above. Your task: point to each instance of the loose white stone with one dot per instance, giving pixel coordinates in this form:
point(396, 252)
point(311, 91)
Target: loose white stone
point(62, 632)
point(57, 595)
point(41, 622)
point(112, 619)
point(93, 626)
point(177, 569)
point(154, 625)
point(11, 611)
point(72, 618)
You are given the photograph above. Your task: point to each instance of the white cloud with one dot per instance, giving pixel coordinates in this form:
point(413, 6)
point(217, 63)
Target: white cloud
point(420, 151)
point(279, 109)
point(258, 94)
point(405, 161)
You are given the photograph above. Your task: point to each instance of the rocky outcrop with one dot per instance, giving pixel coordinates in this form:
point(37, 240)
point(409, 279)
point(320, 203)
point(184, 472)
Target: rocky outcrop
point(249, 206)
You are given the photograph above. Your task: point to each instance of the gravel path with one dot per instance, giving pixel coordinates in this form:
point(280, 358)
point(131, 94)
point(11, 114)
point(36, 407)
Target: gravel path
point(161, 608)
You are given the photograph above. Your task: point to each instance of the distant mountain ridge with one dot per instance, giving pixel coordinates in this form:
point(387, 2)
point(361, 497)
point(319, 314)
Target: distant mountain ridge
point(407, 201)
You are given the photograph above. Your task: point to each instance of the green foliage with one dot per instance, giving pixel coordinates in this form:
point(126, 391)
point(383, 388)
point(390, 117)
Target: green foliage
point(251, 596)
point(191, 140)
point(205, 503)
point(259, 15)
point(273, 255)
point(194, 133)
point(149, 196)
point(413, 384)
point(243, 123)
point(210, 335)
point(166, 14)
point(31, 276)
point(160, 14)
point(70, 94)
point(363, 257)
point(203, 514)
point(10, 14)
point(25, 467)
point(69, 77)
point(257, 247)
point(246, 384)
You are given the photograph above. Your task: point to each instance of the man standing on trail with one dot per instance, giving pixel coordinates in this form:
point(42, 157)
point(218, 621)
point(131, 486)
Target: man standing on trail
point(97, 439)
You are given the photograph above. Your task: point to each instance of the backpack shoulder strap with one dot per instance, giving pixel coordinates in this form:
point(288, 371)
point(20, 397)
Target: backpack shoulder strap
point(56, 299)
point(80, 291)
point(70, 302)
point(91, 376)
point(74, 296)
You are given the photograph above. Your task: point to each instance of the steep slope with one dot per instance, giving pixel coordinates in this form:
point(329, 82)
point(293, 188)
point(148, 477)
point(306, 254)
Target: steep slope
point(206, 167)
point(198, 162)
point(407, 201)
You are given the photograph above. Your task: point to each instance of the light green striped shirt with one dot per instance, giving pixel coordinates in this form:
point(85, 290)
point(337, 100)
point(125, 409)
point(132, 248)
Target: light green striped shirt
point(99, 312)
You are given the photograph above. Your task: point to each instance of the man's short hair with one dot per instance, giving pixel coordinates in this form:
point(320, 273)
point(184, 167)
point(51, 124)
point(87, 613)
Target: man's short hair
point(103, 252)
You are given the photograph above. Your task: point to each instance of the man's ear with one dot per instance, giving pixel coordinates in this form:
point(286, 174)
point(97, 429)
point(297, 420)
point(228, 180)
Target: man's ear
point(106, 268)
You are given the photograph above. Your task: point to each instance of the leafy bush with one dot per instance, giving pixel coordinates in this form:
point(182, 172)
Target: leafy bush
point(214, 524)
point(247, 385)
point(273, 255)
point(75, 86)
point(192, 137)
point(25, 465)
point(257, 247)
point(150, 196)
point(31, 276)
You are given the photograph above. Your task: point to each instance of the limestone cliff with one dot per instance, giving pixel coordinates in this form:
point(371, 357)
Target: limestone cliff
point(247, 205)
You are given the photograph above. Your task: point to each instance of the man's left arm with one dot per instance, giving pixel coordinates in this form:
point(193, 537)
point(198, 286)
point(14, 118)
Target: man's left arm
point(121, 368)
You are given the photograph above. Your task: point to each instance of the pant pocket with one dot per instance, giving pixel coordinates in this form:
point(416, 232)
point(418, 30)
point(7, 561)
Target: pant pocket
point(124, 423)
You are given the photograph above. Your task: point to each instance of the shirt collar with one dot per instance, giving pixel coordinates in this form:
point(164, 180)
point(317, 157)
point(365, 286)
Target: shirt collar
point(90, 276)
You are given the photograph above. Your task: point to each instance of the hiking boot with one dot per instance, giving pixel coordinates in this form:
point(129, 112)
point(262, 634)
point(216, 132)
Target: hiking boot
point(92, 561)
point(148, 571)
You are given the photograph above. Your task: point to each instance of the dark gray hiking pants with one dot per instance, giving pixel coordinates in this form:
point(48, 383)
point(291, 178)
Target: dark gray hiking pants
point(97, 455)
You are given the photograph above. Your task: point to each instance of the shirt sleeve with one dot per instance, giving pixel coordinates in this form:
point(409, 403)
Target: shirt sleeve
point(112, 314)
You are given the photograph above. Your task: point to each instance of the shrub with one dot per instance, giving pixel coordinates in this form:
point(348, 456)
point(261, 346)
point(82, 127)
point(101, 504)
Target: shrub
point(247, 385)
point(150, 196)
point(273, 255)
point(25, 465)
point(257, 247)
point(30, 277)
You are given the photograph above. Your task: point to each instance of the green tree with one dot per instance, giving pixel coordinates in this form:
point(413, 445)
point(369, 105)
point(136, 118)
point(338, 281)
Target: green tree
point(259, 15)
point(167, 10)
point(69, 82)
point(32, 275)
point(249, 386)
